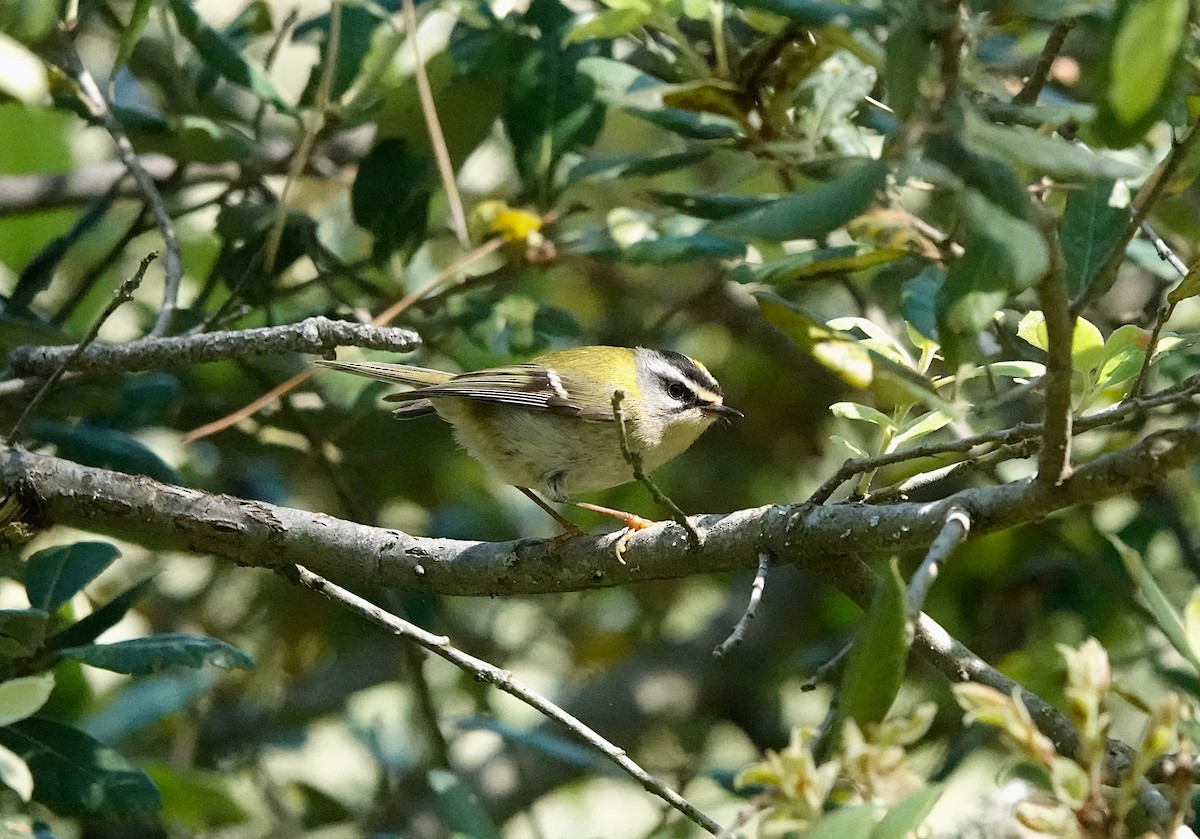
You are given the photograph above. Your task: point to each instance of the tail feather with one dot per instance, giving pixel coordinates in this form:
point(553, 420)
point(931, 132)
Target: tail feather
point(405, 374)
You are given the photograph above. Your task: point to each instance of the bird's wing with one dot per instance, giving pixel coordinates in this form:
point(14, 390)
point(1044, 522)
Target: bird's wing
point(521, 385)
point(404, 374)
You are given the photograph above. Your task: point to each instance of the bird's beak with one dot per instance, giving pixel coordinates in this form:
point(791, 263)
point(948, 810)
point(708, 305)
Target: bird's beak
point(720, 411)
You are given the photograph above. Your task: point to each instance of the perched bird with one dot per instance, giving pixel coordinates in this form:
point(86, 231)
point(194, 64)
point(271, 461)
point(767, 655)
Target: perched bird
point(549, 425)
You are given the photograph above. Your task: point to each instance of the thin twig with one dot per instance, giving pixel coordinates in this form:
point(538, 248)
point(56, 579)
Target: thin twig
point(1143, 202)
point(1165, 252)
point(483, 671)
point(315, 335)
point(1001, 437)
point(953, 533)
point(124, 295)
point(1028, 95)
point(1054, 458)
point(382, 319)
point(308, 140)
point(437, 140)
point(634, 459)
point(1164, 315)
point(424, 696)
point(979, 463)
point(826, 671)
point(742, 819)
point(756, 592)
point(98, 107)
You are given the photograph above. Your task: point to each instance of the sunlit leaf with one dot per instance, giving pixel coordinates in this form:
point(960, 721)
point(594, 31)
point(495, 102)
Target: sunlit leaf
point(1141, 61)
point(919, 427)
point(815, 265)
point(15, 774)
point(1155, 599)
point(24, 696)
point(819, 12)
point(862, 413)
point(1044, 154)
point(903, 819)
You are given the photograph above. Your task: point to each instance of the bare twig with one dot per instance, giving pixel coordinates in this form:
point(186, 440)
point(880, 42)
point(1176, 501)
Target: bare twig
point(1002, 437)
point(98, 107)
point(826, 671)
point(1145, 200)
point(1164, 315)
point(756, 591)
point(313, 126)
point(1054, 458)
point(978, 463)
point(316, 335)
point(124, 294)
point(742, 819)
point(483, 671)
point(437, 140)
point(382, 319)
point(1032, 89)
point(954, 532)
point(634, 459)
point(1165, 252)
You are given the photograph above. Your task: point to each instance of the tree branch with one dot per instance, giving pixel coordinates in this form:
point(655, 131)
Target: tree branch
point(1054, 458)
point(504, 680)
point(93, 99)
point(953, 533)
point(1028, 95)
point(818, 537)
point(315, 335)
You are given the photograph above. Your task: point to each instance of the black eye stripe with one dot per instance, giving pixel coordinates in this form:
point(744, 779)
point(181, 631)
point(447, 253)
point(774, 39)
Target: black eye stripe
point(688, 369)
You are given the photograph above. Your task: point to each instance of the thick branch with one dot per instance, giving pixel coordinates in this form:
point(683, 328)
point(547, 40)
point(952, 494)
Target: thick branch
point(256, 534)
point(313, 335)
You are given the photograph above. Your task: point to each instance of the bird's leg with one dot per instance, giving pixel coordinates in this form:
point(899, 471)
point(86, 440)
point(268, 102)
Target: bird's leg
point(570, 528)
point(633, 523)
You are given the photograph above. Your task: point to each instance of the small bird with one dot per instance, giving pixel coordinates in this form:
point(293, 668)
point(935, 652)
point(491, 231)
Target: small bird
point(549, 425)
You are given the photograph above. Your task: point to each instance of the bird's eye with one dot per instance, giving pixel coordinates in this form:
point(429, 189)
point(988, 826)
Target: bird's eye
point(676, 391)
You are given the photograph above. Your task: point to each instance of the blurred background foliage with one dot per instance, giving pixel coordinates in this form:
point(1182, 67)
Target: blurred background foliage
point(838, 207)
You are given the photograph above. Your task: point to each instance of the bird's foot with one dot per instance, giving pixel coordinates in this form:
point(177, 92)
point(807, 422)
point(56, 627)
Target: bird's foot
point(633, 523)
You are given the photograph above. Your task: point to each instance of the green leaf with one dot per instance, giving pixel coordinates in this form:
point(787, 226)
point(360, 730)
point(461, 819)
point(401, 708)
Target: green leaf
point(546, 743)
point(1187, 288)
point(23, 697)
point(15, 774)
point(1191, 622)
point(907, 54)
point(918, 301)
point(222, 55)
point(623, 166)
point(919, 427)
point(391, 195)
point(54, 575)
point(1087, 344)
point(157, 652)
point(689, 124)
point(862, 413)
point(1069, 782)
point(815, 264)
point(813, 214)
point(1090, 226)
point(131, 32)
point(1049, 155)
point(818, 12)
point(144, 702)
point(611, 23)
point(104, 618)
point(1155, 600)
point(76, 775)
point(461, 811)
point(854, 822)
point(195, 799)
point(1141, 65)
point(875, 668)
point(104, 448)
point(22, 631)
point(903, 819)
point(665, 250)
point(710, 207)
